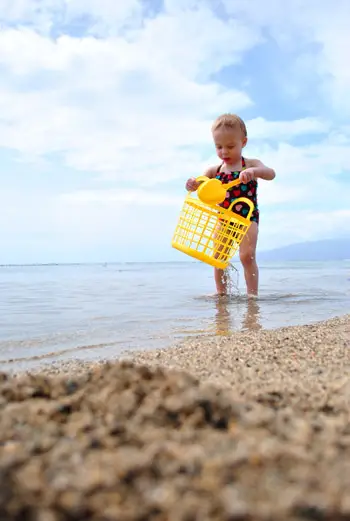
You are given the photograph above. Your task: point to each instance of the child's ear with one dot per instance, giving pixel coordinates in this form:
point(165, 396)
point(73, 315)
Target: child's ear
point(244, 142)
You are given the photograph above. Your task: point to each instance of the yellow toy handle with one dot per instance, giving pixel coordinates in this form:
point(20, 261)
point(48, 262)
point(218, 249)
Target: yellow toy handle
point(204, 178)
point(231, 184)
point(243, 200)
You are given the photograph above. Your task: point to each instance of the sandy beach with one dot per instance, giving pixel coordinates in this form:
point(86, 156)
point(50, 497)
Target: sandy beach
point(253, 427)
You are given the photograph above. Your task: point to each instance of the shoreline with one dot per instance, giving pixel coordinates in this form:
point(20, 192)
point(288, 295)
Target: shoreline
point(184, 355)
point(266, 358)
point(256, 426)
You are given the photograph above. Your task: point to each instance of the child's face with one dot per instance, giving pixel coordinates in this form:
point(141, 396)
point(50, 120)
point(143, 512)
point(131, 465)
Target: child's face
point(229, 144)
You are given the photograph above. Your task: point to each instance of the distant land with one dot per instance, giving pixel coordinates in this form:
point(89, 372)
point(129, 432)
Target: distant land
point(325, 250)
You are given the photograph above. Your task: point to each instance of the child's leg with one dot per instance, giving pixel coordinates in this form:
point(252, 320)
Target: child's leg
point(247, 254)
point(219, 275)
point(220, 282)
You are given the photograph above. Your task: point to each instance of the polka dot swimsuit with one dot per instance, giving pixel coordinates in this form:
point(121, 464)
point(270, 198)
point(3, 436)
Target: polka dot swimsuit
point(248, 190)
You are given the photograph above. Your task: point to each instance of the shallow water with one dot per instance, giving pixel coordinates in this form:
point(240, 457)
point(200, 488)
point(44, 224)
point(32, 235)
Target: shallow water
point(59, 312)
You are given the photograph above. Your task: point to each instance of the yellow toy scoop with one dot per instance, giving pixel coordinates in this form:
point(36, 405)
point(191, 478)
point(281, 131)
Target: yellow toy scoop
point(212, 191)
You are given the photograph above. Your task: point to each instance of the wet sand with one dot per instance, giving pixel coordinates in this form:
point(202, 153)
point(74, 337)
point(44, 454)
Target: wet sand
point(256, 427)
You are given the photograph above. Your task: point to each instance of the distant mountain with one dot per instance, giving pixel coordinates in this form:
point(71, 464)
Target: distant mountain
point(326, 250)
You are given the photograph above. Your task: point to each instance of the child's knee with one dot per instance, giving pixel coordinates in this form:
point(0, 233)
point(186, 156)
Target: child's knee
point(247, 256)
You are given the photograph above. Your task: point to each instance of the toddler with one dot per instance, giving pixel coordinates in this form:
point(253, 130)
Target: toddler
point(230, 137)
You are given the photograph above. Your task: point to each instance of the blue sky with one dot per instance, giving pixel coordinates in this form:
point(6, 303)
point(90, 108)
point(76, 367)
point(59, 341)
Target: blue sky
point(106, 110)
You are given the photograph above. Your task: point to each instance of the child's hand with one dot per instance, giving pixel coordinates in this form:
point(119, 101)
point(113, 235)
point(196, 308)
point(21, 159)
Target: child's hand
point(192, 185)
point(247, 175)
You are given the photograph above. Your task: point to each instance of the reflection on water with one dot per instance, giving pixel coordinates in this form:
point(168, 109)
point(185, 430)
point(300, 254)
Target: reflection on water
point(97, 311)
point(251, 319)
point(224, 316)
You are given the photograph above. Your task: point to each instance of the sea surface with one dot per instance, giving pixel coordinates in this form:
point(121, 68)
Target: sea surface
point(99, 311)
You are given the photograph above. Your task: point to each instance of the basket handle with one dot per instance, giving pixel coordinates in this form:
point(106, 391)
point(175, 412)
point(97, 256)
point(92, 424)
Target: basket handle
point(243, 200)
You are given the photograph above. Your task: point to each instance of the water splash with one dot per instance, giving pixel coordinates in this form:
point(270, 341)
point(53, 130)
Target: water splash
point(231, 280)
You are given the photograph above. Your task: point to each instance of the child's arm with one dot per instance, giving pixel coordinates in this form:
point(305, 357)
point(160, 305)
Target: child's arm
point(256, 169)
point(192, 184)
point(262, 171)
point(211, 172)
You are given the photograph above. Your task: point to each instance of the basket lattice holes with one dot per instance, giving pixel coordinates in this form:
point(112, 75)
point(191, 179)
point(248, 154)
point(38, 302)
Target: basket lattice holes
point(210, 233)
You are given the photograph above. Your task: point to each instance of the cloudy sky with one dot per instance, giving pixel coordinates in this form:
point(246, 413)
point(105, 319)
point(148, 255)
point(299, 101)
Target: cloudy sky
point(106, 107)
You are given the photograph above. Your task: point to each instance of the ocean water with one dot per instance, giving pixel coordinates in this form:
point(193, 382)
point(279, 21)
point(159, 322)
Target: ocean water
point(98, 311)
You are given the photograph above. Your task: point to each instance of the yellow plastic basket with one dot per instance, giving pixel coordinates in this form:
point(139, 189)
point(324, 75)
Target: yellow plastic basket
point(210, 233)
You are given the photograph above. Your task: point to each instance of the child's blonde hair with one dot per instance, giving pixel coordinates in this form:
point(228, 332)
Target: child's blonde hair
point(231, 122)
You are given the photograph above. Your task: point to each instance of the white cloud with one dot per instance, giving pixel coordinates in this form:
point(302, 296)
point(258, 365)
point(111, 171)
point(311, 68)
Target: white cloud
point(259, 128)
point(22, 11)
point(104, 99)
point(107, 16)
point(301, 26)
point(122, 197)
point(319, 162)
point(284, 228)
point(102, 16)
point(132, 98)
